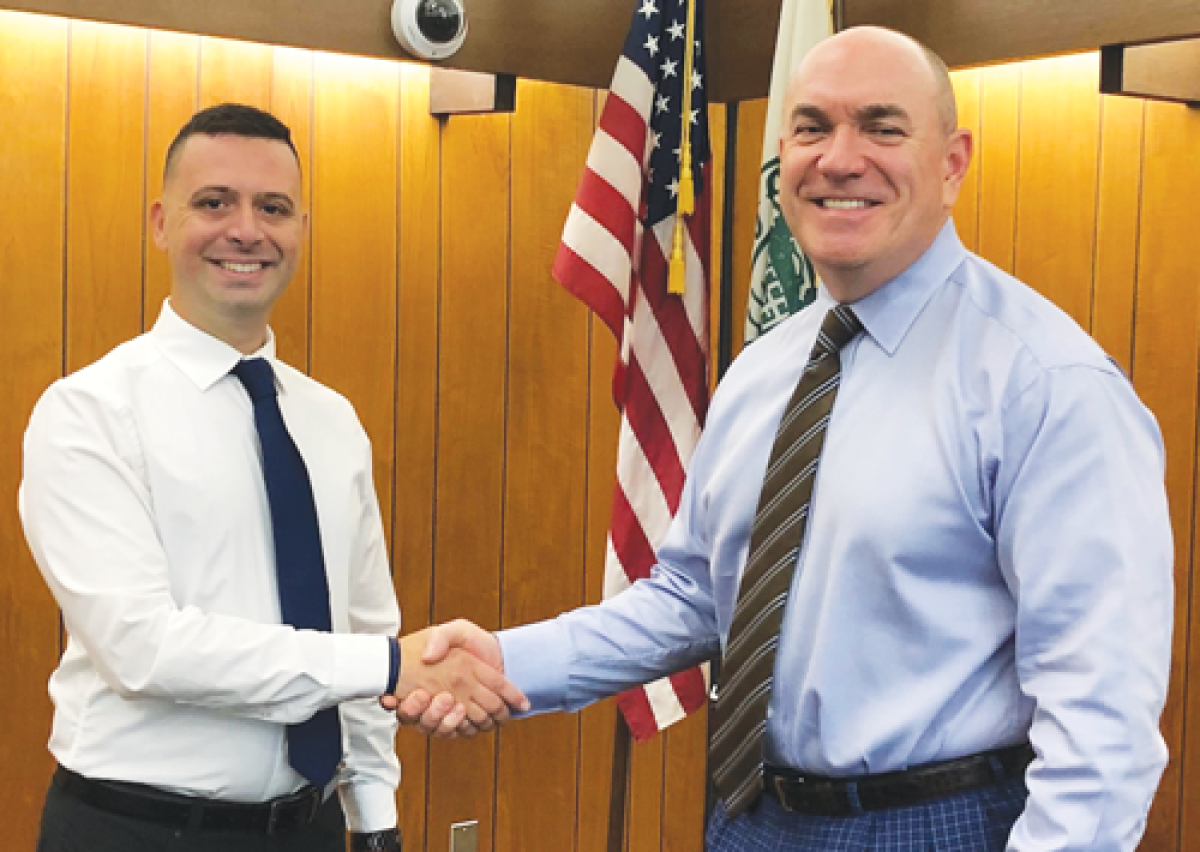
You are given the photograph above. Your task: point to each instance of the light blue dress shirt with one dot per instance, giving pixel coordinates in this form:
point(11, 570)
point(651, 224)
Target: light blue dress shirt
point(989, 556)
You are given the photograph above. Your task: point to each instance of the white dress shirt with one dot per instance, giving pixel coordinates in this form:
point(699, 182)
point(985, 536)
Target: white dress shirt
point(988, 556)
point(144, 505)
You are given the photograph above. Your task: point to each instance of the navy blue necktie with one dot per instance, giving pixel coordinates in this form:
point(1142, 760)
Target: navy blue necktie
point(314, 746)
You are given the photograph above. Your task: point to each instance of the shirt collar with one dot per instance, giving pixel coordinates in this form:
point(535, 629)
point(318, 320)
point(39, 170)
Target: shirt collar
point(204, 359)
point(889, 312)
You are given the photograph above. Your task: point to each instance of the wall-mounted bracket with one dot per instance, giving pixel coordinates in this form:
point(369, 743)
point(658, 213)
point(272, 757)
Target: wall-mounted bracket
point(1166, 70)
point(453, 92)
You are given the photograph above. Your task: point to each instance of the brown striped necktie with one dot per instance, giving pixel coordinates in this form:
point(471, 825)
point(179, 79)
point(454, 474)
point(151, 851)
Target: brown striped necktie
point(736, 751)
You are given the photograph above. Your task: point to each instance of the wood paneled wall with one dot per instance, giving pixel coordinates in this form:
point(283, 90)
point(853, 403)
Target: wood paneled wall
point(426, 299)
point(1087, 199)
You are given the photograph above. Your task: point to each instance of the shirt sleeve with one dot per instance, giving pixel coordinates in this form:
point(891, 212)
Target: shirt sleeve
point(371, 773)
point(88, 517)
point(1084, 542)
point(656, 627)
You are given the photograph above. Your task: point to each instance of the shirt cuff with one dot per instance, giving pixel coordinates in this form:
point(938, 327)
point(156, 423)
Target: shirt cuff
point(361, 665)
point(368, 807)
point(537, 661)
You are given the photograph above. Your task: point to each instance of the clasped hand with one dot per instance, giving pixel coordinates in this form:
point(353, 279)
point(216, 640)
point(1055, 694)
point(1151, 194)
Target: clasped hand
point(452, 682)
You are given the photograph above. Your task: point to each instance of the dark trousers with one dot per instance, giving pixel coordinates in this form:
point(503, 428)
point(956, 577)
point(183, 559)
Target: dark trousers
point(69, 825)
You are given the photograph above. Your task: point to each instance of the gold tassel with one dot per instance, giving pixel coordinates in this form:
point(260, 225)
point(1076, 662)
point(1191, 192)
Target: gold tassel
point(687, 187)
point(677, 280)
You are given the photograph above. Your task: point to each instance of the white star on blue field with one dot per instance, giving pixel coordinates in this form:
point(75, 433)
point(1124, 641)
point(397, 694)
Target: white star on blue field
point(656, 44)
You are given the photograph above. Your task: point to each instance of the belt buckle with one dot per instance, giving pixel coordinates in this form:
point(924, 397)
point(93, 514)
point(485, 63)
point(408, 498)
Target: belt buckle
point(287, 809)
point(777, 785)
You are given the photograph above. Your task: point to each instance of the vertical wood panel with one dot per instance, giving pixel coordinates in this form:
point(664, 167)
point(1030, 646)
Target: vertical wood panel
point(1117, 210)
point(170, 102)
point(546, 453)
point(292, 103)
point(1164, 371)
point(752, 119)
point(686, 767)
point(998, 164)
point(416, 409)
point(235, 72)
point(354, 225)
point(33, 64)
point(471, 403)
point(967, 87)
point(644, 805)
point(1059, 141)
point(105, 178)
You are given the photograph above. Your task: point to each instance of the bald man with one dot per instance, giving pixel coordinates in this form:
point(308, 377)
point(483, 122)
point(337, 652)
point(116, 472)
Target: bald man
point(975, 640)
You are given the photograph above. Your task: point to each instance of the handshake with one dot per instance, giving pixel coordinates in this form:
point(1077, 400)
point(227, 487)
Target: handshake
point(452, 682)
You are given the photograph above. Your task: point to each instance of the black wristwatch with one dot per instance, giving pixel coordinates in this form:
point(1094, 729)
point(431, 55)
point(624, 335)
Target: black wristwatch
point(375, 841)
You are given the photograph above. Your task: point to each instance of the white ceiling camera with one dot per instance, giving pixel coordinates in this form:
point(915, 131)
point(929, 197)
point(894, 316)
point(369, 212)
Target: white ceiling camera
point(430, 29)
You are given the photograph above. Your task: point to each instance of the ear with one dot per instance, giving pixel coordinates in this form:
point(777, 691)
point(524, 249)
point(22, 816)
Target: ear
point(158, 224)
point(959, 149)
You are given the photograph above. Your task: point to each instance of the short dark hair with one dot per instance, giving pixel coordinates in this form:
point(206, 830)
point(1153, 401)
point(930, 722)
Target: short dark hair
point(233, 120)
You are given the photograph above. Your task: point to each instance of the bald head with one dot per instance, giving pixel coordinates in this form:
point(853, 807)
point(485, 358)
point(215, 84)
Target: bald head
point(890, 46)
point(871, 159)
point(946, 105)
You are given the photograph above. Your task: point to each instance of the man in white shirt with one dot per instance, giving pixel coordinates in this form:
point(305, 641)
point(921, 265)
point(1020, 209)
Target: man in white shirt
point(145, 506)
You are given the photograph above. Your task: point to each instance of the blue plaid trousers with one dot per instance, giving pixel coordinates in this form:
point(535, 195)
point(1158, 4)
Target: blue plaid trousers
point(977, 821)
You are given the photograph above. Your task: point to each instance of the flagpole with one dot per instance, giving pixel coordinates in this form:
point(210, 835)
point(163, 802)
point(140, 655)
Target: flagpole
point(618, 791)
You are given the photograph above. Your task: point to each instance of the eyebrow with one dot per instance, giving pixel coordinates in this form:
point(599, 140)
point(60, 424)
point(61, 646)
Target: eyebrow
point(810, 112)
point(275, 196)
point(260, 196)
point(879, 112)
point(862, 115)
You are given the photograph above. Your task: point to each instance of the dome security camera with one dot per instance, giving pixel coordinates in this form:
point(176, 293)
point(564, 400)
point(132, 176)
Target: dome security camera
point(429, 29)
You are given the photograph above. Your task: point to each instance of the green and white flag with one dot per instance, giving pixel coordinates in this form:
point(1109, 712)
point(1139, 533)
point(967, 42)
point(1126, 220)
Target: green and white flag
point(782, 280)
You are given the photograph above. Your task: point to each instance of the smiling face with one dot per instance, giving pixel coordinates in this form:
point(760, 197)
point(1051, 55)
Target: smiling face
point(231, 222)
point(869, 168)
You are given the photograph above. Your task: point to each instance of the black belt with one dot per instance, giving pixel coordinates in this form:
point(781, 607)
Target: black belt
point(817, 795)
point(192, 813)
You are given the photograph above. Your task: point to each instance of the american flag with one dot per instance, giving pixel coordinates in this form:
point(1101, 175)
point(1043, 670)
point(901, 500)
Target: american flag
point(614, 256)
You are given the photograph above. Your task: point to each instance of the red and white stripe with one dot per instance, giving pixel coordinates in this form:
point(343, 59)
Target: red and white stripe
point(660, 383)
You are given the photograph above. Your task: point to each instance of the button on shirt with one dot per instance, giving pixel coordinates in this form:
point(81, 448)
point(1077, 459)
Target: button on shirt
point(989, 556)
point(144, 505)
